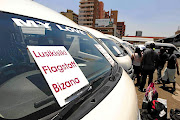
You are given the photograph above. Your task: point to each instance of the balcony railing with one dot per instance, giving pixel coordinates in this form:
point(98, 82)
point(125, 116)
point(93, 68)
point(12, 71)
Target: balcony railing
point(86, 1)
point(86, 5)
point(89, 13)
point(85, 17)
point(86, 9)
point(85, 21)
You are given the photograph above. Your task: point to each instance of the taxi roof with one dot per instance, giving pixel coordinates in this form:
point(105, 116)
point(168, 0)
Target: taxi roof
point(114, 37)
point(32, 9)
point(94, 32)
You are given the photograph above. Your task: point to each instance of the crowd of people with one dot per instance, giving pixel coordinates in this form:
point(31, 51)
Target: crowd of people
point(145, 63)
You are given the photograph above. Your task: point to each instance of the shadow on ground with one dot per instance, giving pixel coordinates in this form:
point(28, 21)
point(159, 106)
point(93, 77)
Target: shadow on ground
point(168, 89)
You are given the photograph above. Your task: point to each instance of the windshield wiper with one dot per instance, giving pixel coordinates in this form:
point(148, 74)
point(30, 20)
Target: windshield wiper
point(51, 98)
point(82, 95)
point(77, 95)
point(44, 101)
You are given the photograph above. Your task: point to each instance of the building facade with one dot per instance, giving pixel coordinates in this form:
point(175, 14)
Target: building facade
point(71, 15)
point(108, 25)
point(108, 30)
point(121, 27)
point(101, 10)
point(114, 15)
point(106, 15)
point(88, 12)
point(92, 14)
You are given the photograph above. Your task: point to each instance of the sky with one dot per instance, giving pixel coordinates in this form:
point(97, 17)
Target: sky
point(157, 18)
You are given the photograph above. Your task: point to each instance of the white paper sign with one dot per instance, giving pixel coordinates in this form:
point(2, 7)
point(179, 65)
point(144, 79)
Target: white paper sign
point(104, 52)
point(61, 72)
point(116, 49)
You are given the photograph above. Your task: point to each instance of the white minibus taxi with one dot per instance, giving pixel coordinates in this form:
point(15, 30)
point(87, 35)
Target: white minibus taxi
point(25, 92)
point(114, 50)
point(129, 48)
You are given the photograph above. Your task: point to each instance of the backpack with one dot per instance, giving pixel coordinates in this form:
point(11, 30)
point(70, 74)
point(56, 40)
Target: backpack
point(158, 110)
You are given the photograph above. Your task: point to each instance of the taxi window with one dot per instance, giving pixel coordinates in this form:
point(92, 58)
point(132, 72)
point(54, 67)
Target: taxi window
point(115, 49)
point(21, 82)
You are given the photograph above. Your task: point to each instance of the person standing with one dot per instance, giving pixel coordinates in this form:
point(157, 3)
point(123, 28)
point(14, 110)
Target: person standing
point(162, 58)
point(169, 73)
point(148, 65)
point(136, 58)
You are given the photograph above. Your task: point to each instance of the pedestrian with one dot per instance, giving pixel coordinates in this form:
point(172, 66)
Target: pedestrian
point(169, 73)
point(148, 65)
point(136, 58)
point(162, 58)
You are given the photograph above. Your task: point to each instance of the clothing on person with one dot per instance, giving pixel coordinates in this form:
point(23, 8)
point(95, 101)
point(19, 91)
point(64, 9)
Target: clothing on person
point(137, 72)
point(136, 58)
point(159, 75)
point(148, 64)
point(172, 62)
point(162, 58)
point(149, 60)
point(145, 73)
point(169, 73)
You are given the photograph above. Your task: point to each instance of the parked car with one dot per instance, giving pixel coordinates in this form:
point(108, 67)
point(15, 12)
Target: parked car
point(25, 94)
point(142, 47)
point(129, 48)
point(166, 46)
point(113, 49)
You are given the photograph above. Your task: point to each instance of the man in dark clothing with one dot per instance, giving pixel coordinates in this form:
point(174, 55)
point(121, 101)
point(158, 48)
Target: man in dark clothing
point(162, 58)
point(148, 64)
point(169, 73)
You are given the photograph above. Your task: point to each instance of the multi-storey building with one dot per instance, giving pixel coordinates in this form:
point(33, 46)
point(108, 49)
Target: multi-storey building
point(71, 15)
point(101, 10)
point(92, 14)
point(114, 15)
point(88, 12)
point(121, 27)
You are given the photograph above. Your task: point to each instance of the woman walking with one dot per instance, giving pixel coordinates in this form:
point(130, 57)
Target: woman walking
point(136, 58)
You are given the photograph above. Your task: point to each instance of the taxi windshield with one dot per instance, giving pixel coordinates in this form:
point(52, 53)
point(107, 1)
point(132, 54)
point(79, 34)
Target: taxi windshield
point(116, 50)
point(21, 82)
point(128, 46)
